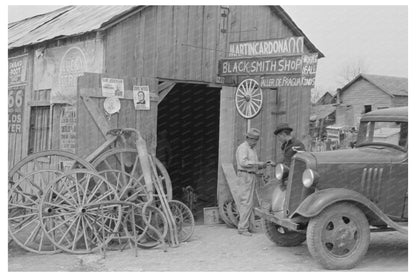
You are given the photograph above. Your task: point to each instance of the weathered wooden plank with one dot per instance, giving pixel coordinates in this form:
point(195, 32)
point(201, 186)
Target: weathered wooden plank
point(227, 130)
point(232, 181)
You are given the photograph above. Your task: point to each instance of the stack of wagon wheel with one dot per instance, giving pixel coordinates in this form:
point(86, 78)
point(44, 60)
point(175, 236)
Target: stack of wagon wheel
point(58, 201)
point(231, 214)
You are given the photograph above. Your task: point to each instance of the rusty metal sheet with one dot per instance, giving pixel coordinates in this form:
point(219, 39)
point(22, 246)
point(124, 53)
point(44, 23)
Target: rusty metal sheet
point(67, 21)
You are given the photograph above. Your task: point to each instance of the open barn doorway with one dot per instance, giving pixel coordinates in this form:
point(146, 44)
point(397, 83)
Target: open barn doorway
point(187, 143)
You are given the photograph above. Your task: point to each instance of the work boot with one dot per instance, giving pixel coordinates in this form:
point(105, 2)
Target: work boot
point(245, 233)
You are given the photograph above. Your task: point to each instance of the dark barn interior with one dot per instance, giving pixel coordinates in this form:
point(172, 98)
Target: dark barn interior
point(187, 143)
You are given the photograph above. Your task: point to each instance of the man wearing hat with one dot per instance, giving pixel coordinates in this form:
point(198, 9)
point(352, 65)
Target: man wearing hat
point(290, 145)
point(247, 166)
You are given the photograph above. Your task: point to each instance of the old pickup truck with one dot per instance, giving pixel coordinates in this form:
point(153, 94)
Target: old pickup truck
point(334, 199)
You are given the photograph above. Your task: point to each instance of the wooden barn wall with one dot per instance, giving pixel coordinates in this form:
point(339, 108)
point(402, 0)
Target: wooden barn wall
point(184, 43)
point(363, 93)
point(18, 142)
point(291, 104)
point(400, 101)
point(89, 135)
point(165, 42)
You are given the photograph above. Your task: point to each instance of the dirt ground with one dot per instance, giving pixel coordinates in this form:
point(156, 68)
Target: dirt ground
point(214, 248)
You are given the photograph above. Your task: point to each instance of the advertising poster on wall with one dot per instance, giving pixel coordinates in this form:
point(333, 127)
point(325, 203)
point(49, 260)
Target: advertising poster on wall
point(141, 97)
point(112, 87)
point(58, 68)
point(16, 97)
point(17, 70)
point(67, 129)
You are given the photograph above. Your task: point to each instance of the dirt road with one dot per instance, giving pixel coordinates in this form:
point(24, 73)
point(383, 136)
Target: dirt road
point(215, 248)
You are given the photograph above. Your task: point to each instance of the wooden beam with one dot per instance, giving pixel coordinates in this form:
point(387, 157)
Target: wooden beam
point(164, 89)
point(97, 115)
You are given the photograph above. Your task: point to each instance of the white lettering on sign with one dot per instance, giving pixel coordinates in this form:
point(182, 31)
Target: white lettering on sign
point(67, 128)
point(286, 81)
point(253, 66)
point(17, 70)
point(284, 46)
point(15, 105)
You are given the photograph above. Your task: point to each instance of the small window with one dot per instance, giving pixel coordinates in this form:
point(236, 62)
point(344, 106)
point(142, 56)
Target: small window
point(367, 108)
point(39, 132)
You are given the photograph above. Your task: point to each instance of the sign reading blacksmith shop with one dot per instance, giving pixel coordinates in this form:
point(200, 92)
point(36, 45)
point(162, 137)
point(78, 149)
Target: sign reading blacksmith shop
point(276, 63)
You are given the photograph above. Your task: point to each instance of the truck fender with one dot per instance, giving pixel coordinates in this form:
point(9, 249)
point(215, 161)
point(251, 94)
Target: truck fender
point(315, 203)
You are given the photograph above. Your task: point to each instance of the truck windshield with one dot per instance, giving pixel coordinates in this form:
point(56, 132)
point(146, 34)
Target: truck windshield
point(386, 132)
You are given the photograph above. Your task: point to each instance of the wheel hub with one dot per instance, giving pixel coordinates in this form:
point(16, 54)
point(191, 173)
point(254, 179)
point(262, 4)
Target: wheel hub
point(344, 237)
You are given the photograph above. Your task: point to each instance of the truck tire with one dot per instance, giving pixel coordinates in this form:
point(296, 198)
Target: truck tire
point(280, 235)
point(339, 236)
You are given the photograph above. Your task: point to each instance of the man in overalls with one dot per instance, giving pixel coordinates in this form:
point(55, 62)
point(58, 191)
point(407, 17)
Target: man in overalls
point(247, 166)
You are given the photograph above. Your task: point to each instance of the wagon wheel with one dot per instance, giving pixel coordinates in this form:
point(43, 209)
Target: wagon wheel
point(23, 213)
point(76, 212)
point(52, 160)
point(233, 213)
point(151, 226)
point(224, 214)
point(184, 219)
point(248, 98)
point(113, 159)
point(128, 188)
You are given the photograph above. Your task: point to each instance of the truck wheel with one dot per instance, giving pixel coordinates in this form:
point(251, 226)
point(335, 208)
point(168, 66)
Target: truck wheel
point(339, 236)
point(280, 235)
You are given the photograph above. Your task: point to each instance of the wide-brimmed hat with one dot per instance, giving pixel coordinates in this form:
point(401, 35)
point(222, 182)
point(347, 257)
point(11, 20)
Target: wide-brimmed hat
point(281, 127)
point(253, 133)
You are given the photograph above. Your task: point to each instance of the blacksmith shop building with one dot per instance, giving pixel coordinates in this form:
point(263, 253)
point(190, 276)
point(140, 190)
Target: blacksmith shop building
point(59, 61)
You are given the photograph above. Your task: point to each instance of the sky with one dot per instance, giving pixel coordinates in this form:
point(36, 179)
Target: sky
point(372, 38)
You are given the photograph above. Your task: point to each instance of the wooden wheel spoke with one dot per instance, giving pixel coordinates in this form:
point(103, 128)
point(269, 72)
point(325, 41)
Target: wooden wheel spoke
point(60, 224)
point(33, 234)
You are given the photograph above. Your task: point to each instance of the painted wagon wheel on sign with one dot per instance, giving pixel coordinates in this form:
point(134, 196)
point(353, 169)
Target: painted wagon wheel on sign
point(248, 98)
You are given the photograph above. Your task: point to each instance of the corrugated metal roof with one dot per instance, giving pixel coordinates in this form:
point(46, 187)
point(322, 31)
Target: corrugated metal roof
point(76, 20)
point(393, 86)
point(67, 21)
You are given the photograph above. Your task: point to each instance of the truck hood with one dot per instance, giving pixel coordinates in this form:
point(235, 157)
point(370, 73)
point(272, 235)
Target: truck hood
point(368, 154)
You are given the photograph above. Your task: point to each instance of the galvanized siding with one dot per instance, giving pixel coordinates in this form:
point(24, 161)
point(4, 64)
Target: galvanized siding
point(364, 93)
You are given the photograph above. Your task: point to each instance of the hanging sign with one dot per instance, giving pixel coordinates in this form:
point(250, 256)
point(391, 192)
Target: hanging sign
point(112, 87)
point(272, 47)
point(17, 70)
point(141, 97)
point(306, 78)
point(16, 97)
point(67, 127)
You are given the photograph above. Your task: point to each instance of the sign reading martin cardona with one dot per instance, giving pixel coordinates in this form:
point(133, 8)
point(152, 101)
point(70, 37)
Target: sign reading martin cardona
point(261, 48)
point(276, 63)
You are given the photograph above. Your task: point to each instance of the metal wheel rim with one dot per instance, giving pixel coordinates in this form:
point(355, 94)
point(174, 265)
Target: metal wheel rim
point(128, 188)
point(340, 236)
point(184, 219)
point(249, 98)
point(110, 160)
point(75, 212)
point(50, 160)
point(25, 199)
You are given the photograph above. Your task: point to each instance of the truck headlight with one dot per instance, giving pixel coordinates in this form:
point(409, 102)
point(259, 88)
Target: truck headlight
point(281, 171)
point(309, 178)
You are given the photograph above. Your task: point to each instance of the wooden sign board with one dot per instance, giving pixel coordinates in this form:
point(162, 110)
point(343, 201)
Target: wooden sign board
point(271, 47)
point(17, 70)
point(16, 100)
point(301, 64)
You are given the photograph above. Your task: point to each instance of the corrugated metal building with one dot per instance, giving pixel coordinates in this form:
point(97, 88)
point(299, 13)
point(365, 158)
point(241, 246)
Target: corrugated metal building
point(57, 62)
